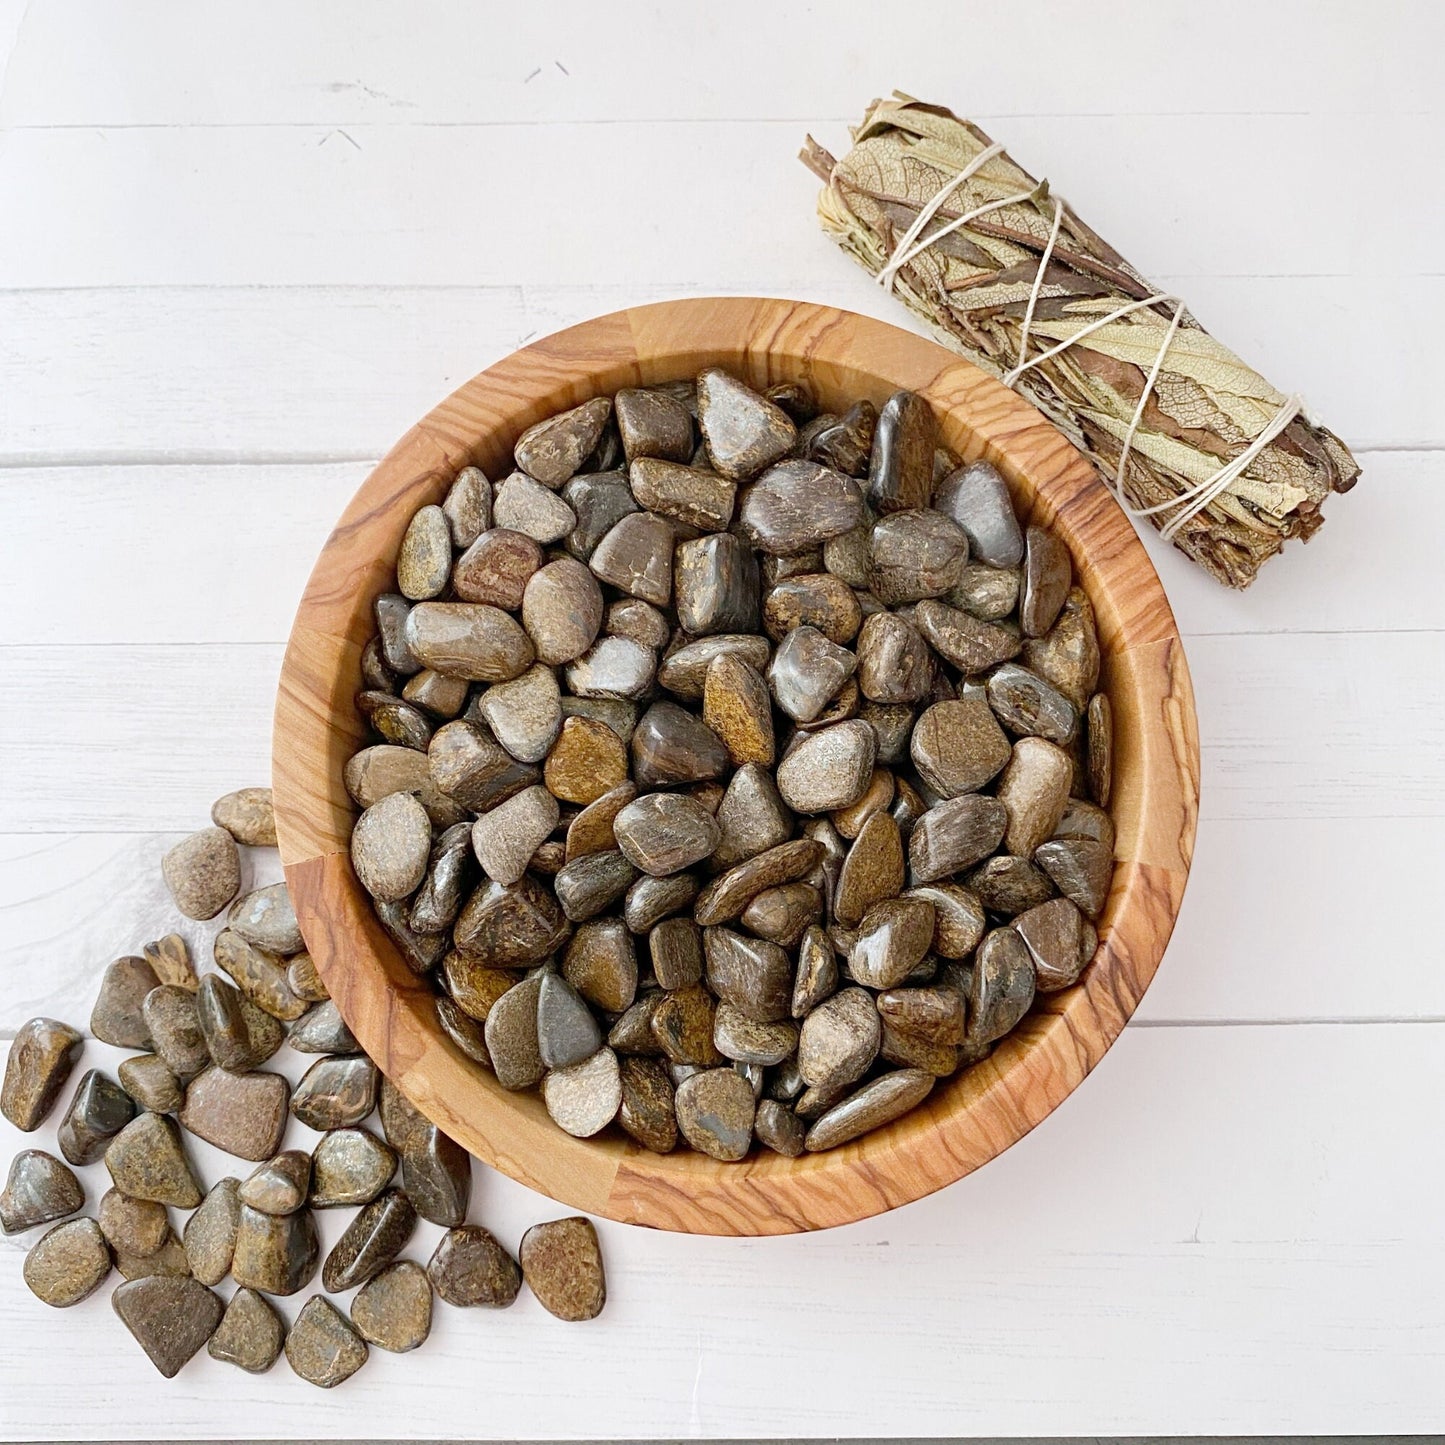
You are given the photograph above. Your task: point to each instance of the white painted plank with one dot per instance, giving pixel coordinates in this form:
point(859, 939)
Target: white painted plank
point(227, 373)
point(665, 203)
point(91, 63)
point(1261, 936)
point(239, 541)
point(1254, 1255)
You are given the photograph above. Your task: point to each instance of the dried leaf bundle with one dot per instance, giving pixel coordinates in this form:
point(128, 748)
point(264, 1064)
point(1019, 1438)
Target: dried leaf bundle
point(973, 285)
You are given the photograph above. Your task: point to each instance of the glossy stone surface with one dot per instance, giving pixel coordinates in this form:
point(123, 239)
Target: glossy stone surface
point(336, 1092)
point(1067, 656)
point(1001, 987)
point(67, 1264)
point(504, 839)
point(797, 504)
point(744, 1040)
point(955, 834)
point(469, 1267)
point(682, 1025)
point(934, 1014)
point(391, 610)
point(526, 506)
point(817, 972)
point(1009, 885)
point(117, 1017)
point(169, 1259)
point(601, 965)
point(436, 1171)
point(839, 1039)
point(807, 671)
point(781, 914)
point(511, 1035)
point(813, 600)
point(828, 769)
point(583, 1097)
point(958, 923)
point(888, 1097)
point(424, 562)
point(170, 1318)
point(970, 645)
point(752, 817)
point(210, 1234)
point(893, 939)
point(957, 746)
point(1080, 869)
point(553, 449)
point(375, 1236)
point(280, 1185)
point(1029, 706)
point(988, 593)
point(170, 1018)
point(635, 557)
point(468, 506)
point(653, 424)
point(99, 1109)
point(275, 1253)
point(511, 926)
point(38, 1189)
point(1034, 789)
point(472, 640)
point(146, 1161)
point(588, 885)
point(599, 500)
point(562, 1264)
point(872, 870)
point(738, 709)
point(591, 830)
point(977, 498)
point(695, 496)
point(647, 1111)
point(750, 973)
point(390, 845)
point(247, 815)
point(1054, 933)
point(147, 1080)
point(675, 950)
point(900, 471)
point(662, 833)
point(137, 1227)
point(323, 1347)
point(203, 872)
point(1047, 575)
point(672, 745)
point(395, 720)
point(779, 1129)
point(495, 569)
point(894, 664)
point(742, 431)
point(913, 555)
point(715, 1110)
point(392, 1310)
point(250, 1335)
point(1099, 754)
point(846, 442)
point(684, 672)
point(322, 1030)
point(562, 610)
point(725, 898)
point(376, 771)
point(717, 585)
point(567, 1032)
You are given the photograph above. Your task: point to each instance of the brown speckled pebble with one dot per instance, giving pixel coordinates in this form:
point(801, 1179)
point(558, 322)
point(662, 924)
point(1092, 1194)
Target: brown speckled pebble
point(67, 1264)
point(469, 1267)
point(250, 1334)
point(171, 1318)
point(322, 1346)
point(393, 1309)
point(562, 1264)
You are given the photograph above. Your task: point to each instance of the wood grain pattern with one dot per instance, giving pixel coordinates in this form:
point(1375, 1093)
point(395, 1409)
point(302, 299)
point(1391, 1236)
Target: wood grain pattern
point(967, 1120)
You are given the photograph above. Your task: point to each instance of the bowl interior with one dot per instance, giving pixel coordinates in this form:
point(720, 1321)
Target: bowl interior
point(966, 1120)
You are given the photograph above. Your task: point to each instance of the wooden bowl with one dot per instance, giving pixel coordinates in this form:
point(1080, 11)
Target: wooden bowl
point(967, 1120)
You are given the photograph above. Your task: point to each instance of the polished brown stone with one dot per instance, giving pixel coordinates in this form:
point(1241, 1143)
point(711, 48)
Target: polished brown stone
point(715, 1110)
point(845, 442)
point(955, 834)
point(504, 839)
point(1029, 706)
point(695, 496)
point(742, 431)
point(468, 506)
point(682, 1025)
point(469, 1267)
point(395, 720)
point(601, 964)
point(210, 1235)
point(275, 1253)
point(1001, 988)
point(588, 885)
point(562, 1264)
point(782, 914)
point(170, 1018)
point(647, 1113)
point(635, 556)
point(894, 664)
point(1047, 576)
point(38, 1189)
point(958, 918)
point(280, 1185)
point(250, 1335)
point(599, 500)
point(562, 610)
point(957, 746)
point(247, 815)
point(672, 745)
point(376, 1235)
point(1034, 789)
point(496, 567)
point(146, 1161)
point(1008, 885)
point(137, 1227)
point(260, 976)
point(970, 645)
point(817, 600)
point(203, 872)
point(807, 671)
point(147, 1080)
point(117, 1017)
point(99, 1109)
point(511, 926)
point(1059, 940)
point(323, 1347)
point(336, 1092)
point(472, 640)
point(778, 1128)
point(872, 871)
point(797, 504)
point(653, 424)
point(746, 1041)
point(1081, 870)
point(591, 831)
point(391, 610)
point(170, 1318)
point(67, 1264)
point(683, 672)
point(876, 798)
point(817, 973)
point(828, 769)
point(436, 1171)
point(717, 585)
point(725, 898)
point(376, 771)
point(424, 562)
point(244, 1114)
point(511, 1036)
point(675, 949)
point(1099, 754)
point(472, 985)
point(900, 472)
point(886, 1098)
point(738, 709)
point(913, 555)
point(553, 449)
point(663, 833)
point(753, 974)
point(839, 1040)
point(392, 1310)
point(935, 1014)
point(893, 939)
point(567, 1031)
point(977, 498)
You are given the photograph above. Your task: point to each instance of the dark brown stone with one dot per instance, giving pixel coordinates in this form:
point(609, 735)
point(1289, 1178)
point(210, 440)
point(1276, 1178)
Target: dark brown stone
point(635, 556)
point(717, 585)
point(118, 1015)
point(1099, 756)
point(958, 746)
point(562, 1263)
point(750, 973)
point(647, 1104)
point(377, 1234)
point(250, 1335)
point(682, 1025)
point(1080, 869)
point(797, 504)
point(589, 884)
point(970, 645)
point(210, 1236)
point(742, 431)
point(469, 1267)
point(653, 424)
point(1047, 576)
point(913, 555)
point(828, 769)
point(203, 873)
point(275, 1253)
point(715, 1110)
point(872, 870)
point(893, 939)
point(955, 834)
point(336, 1092)
point(1002, 986)
point(672, 746)
point(323, 1347)
point(846, 443)
point(244, 1114)
point(260, 976)
point(39, 1189)
point(886, 1098)
point(977, 498)
point(393, 1309)
point(894, 665)
point(553, 449)
point(782, 914)
point(146, 1161)
point(511, 927)
point(599, 500)
point(171, 1318)
point(98, 1111)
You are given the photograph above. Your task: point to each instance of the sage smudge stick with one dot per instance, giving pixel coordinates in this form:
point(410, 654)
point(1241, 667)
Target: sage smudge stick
point(978, 285)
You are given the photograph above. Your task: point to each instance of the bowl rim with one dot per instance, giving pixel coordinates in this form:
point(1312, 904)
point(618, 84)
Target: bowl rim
point(968, 1119)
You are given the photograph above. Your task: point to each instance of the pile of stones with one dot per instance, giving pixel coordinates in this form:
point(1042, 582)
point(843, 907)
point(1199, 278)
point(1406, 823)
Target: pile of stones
point(203, 1040)
point(739, 770)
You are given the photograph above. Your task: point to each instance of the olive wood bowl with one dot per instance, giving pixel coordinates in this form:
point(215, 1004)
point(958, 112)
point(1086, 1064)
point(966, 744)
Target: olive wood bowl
point(968, 1119)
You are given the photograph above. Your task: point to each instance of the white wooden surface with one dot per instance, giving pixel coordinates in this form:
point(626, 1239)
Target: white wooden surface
point(242, 247)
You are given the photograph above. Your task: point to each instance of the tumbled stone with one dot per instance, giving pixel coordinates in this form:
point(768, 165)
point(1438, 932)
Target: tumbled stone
point(828, 769)
point(797, 504)
point(900, 472)
point(1059, 942)
point(877, 797)
point(591, 831)
point(587, 761)
point(1086, 820)
point(684, 672)
point(244, 1114)
point(336, 1092)
point(397, 721)
point(750, 973)
point(672, 746)
point(1035, 789)
point(615, 667)
point(170, 1259)
point(934, 1014)
point(958, 918)
point(376, 672)
point(601, 964)
point(118, 1016)
point(694, 496)
point(203, 872)
point(988, 593)
point(280, 1185)
point(717, 584)
point(814, 600)
point(742, 431)
point(374, 772)
point(472, 640)
point(647, 1110)
point(171, 1020)
point(955, 834)
point(448, 875)
point(322, 1031)
point(893, 939)
point(807, 671)
point(970, 645)
point(817, 973)
point(420, 951)
point(39, 1189)
point(496, 568)
point(392, 1310)
point(779, 1129)
point(424, 560)
point(247, 815)
point(1080, 869)
point(639, 622)
point(562, 1264)
point(170, 957)
point(511, 1035)
point(511, 926)
point(210, 1235)
point(554, 448)
point(524, 505)
point(675, 947)
point(1001, 987)
point(390, 845)
point(682, 1025)
point(562, 610)
point(98, 1111)
point(67, 1264)
point(505, 838)
point(635, 556)
point(1008, 885)
point(957, 746)
point(631, 1033)
point(171, 1318)
point(845, 442)
point(894, 665)
point(913, 555)
point(468, 506)
point(147, 1080)
point(265, 918)
point(751, 817)
point(1067, 656)
point(375, 1236)
point(599, 500)
point(567, 1032)
point(738, 709)
point(662, 833)
point(886, 1098)
point(583, 1097)
point(436, 1171)
point(137, 1227)
point(146, 1161)
point(275, 1253)
point(738, 1037)
point(872, 870)
point(250, 1334)
point(715, 1110)
point(587, 885)
point(725, 898)
point(465, 1031)
point(469, 1267)
point(1029, 706)
point(977, 498)
point(782, 914)
point(1047, 576)
point(1099, 753)
point(391, 611)
point(910, 1051)
point(653, 424)
point(323, 1347)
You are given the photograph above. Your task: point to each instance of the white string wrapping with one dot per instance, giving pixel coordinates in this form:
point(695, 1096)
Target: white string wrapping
point(1194, 499)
